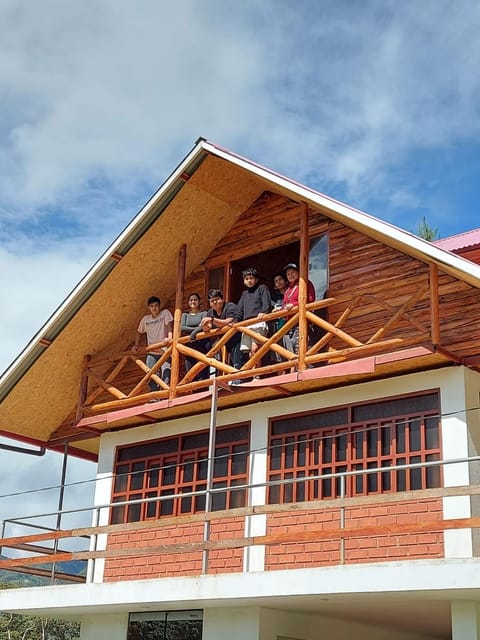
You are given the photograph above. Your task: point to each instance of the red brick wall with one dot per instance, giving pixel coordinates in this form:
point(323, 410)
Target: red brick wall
point(183, 563)
point(363, 549)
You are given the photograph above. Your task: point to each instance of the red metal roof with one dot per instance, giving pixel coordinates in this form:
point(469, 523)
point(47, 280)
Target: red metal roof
point(460, 241)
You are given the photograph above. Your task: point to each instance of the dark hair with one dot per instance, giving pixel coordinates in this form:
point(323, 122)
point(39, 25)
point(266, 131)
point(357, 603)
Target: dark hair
point(194, 293)
point(250, 271)
point(281, 274)
point(215, 293)
point(153, 299)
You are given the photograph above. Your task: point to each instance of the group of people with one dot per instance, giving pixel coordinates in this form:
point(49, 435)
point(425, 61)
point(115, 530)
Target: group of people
point(255, 302)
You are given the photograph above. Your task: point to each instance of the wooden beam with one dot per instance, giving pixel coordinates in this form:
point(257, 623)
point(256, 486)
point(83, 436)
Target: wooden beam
point(177, 317)
point(434, 305)
point(303, 288)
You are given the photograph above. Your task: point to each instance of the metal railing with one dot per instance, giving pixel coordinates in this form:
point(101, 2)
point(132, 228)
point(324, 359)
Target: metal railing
point(91, 552)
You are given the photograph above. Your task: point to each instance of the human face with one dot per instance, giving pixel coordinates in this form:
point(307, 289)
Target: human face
point(250, 281)
point(154, 309)
point(292, 275)
point(193, 303)
point(216, 304)
point(279, 283)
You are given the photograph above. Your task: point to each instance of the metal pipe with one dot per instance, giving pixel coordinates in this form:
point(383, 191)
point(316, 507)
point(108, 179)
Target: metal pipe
point(210, 469)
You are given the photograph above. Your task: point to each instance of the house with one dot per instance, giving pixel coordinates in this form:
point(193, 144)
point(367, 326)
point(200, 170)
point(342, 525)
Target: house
point(335, 495)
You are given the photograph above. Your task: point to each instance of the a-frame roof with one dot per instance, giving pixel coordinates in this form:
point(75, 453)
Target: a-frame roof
point(197, 204)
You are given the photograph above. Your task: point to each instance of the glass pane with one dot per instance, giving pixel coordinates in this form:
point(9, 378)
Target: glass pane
point(318, 267)
point(358, 437)
point(153, 476)
point(274, 494)
point(202, 467)
point(288, 489)
point(359, 480)
point(183, 630)
point(186, 503)
point(169, 474)
point(300, 488)
point(302, 451)
point(118, 513)
point(341, 447)
point(151, 507)
point(237, 498)
point(386, 477)
point(136, 481)
point(200, 500)
point(415, 474)
point(372, 478)
point(432, 435)
point(415, 439)
point(134, 510)
point(166, 506)
point(386, 440)
point(433, 473)
point(401, 476)
point(219, 500)
point(327, 483)
point(188, 466)
point(372, 442)
point(400, 437)
point(239, 459)
point(289, 452)
point(220, 467)
point(341, 482)
point(276, 454)
point(327, 449)
point(121, 478)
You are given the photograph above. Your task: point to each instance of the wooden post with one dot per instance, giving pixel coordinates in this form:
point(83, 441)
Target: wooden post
point(302, 288)
point(177, 317)
point(434, 307)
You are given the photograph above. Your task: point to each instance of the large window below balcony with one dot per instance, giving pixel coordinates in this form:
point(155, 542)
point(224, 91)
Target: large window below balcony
point(167, 625)
point(393, 432)
point(178, 465)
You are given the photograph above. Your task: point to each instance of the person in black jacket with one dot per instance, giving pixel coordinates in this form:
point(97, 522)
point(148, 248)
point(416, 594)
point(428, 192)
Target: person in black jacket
point(255, 302)
point(222, 314)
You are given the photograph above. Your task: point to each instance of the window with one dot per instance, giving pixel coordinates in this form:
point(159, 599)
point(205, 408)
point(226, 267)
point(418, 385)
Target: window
point(397, 431)
point(178, 465)
point(165, 625)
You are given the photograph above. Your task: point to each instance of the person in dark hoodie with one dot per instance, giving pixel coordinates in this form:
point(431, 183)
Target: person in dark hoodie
point(254, 302)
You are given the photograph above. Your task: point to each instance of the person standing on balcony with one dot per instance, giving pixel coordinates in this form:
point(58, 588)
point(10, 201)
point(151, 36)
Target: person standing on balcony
point(290, 300)
point(222, 314)
point(254, 302)
point(190, 321)
point(158, 326)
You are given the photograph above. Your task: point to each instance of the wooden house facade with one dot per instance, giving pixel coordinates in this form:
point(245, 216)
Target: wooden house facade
point(334, 490)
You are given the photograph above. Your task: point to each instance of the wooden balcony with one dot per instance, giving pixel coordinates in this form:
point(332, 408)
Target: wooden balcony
point(365, 337)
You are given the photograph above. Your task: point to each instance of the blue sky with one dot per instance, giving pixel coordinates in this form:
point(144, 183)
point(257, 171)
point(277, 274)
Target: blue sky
point(376, 103)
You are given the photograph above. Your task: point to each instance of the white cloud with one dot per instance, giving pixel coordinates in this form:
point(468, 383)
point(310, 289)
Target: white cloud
point(101, 99)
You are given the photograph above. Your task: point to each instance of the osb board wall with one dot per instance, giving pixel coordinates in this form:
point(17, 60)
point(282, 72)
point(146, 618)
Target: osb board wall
point(106, 323)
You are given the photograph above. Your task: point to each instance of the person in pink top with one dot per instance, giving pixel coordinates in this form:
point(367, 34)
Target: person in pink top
point(158, 326)
point(290, 300)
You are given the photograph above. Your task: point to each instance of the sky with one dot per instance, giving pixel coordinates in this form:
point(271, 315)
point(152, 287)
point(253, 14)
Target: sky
point(373, 102)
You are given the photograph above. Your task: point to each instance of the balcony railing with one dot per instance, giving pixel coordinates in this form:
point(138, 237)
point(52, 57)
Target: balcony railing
point(122, 381)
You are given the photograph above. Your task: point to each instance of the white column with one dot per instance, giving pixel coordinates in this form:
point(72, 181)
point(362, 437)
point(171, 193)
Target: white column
point(465, 620)
point(254, 557)
point(234, 623)
point(106, 627)
point(458, 543)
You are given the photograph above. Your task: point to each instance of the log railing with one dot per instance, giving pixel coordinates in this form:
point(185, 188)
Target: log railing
point(123, 381)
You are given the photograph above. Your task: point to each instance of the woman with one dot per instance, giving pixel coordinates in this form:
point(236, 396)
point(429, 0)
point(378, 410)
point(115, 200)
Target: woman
point(190, 321)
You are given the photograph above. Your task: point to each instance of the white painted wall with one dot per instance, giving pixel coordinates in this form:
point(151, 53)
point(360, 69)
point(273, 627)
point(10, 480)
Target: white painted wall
point(275, 624)
point(465, 620)
point(231, 623)
point(104, 627)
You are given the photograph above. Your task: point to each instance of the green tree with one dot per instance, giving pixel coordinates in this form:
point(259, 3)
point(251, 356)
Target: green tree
point(425, 231)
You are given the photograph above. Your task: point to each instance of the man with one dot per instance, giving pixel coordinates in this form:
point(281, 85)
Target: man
point(222, 314)
point(290, 300)
point(158, 326)
point(254, 302)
